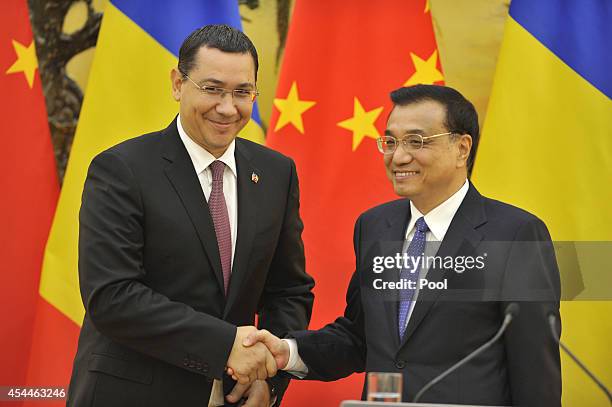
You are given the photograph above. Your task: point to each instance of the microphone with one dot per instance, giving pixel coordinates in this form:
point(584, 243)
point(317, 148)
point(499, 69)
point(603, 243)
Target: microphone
point(510, 312)
point(552, 321)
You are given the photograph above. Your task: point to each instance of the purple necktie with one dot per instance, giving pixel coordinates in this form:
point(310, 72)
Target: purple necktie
point(220, 217)
point(415, 249)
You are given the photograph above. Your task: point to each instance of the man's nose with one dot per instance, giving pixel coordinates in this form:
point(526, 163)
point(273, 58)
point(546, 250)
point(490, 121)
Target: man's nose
point(226, 105)
point(402, 156)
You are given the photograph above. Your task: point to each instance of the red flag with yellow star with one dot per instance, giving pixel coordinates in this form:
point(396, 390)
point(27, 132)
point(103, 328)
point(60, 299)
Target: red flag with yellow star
point(29, 188)
point(341, 61)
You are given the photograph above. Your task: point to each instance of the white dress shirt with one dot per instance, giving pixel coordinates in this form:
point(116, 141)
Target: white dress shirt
point(438, 220)
point(201, 160)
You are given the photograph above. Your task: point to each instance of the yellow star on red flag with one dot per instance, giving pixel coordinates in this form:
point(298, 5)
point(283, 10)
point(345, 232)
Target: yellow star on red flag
point(26, 61)
point(291, 109)
point(425, 71)
point(362, 123)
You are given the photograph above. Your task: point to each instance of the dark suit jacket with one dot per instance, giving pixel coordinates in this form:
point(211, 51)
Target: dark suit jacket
point(522, 368)
point(158, 327)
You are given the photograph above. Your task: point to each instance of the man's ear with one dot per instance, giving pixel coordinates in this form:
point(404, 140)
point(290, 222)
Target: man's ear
point(464, 146)
point(177, 82)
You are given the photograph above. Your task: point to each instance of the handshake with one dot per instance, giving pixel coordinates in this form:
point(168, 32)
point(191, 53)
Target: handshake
point(256, 355)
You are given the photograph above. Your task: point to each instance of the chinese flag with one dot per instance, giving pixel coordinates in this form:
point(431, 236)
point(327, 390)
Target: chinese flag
point(332, 101)
point(29, 187)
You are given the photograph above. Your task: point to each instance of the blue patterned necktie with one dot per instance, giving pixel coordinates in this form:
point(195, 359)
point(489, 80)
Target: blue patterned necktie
point(415, 249)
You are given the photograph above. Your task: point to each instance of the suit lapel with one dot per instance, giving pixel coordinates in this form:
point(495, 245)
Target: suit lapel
point(392, 241)
point(461, 235)
point(181, 174)
point(248, 205)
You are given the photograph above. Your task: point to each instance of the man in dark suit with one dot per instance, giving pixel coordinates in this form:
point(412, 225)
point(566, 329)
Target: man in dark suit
point(185, 235)
point(423, 330)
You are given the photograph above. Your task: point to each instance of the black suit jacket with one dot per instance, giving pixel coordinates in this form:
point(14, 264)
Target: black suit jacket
point(522, 368)
point(158, 327)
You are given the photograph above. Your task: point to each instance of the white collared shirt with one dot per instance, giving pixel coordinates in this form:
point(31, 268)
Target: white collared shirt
point(438, 220)
point(201, 160)
point(440, 217)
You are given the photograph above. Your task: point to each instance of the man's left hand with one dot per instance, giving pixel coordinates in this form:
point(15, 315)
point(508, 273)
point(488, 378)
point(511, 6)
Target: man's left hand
point(256, 394)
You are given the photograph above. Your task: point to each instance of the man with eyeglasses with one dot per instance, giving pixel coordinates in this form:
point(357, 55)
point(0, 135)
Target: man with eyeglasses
point(423, 330)
point(185, 235)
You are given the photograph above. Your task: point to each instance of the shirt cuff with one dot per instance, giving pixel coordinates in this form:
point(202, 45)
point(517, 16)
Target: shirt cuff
point(296, 365)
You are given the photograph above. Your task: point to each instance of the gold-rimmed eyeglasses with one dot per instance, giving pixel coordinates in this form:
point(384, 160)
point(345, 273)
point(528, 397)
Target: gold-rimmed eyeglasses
point(410, 142)
point(239, 95)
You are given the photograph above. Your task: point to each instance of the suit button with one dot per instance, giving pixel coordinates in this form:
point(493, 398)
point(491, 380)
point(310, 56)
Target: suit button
point(185, 362)
point(400, 364)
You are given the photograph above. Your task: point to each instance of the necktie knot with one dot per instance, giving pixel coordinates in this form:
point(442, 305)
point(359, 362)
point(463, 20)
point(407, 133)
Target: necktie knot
point(421, 225)
point(217, 167)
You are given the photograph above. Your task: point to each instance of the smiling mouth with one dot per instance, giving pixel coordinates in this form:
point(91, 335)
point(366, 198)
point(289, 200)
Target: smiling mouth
point(221, 125)
point(399, 175)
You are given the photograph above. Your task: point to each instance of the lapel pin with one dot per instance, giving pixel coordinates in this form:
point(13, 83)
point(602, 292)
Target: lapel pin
point(255, 178)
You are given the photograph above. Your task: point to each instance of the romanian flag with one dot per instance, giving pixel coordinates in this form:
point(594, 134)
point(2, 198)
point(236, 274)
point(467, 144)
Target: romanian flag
point(29, 187)
point(128, 94)
point(341, 61)
point(547, 147)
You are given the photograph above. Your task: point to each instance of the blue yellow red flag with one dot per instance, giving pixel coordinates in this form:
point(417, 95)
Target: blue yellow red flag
point(546, 147)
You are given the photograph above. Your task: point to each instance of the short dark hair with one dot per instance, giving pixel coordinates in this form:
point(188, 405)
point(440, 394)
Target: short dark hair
point(461, 116)
point(219, 36)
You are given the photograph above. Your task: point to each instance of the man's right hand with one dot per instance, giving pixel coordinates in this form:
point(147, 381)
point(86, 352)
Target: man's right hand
point(276, 346)
point(251, 363)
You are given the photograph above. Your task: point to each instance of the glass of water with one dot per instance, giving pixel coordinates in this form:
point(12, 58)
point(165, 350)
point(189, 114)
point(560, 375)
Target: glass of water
point(384, 386)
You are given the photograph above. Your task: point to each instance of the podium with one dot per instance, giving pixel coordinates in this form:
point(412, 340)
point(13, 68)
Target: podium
point(355, 403)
